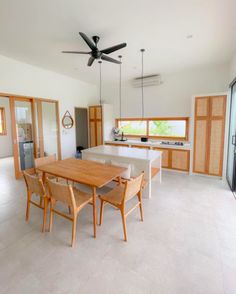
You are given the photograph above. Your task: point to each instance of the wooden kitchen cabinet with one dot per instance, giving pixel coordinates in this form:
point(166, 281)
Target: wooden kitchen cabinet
point(165, 156)
point(180, 159)
point(95, 126)
point(209, 125)
point(175, 158)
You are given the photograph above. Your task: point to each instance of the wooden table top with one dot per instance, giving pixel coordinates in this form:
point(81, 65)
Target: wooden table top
point(86, 172)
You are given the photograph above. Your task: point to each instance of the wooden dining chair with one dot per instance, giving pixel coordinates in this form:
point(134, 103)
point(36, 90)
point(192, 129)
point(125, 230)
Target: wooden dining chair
point(70, 196)
point(119, 196)
point(34, 185)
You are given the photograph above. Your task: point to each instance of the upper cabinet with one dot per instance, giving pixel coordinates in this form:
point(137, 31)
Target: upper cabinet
point(209, 125)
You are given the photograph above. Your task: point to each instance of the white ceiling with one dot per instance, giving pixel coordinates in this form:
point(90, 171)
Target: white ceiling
point(35, 32)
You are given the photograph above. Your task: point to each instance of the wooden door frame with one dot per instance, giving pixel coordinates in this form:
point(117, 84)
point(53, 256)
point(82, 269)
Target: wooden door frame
point(12, 98)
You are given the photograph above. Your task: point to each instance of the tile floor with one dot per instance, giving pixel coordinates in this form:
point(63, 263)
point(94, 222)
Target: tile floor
point(186, 244)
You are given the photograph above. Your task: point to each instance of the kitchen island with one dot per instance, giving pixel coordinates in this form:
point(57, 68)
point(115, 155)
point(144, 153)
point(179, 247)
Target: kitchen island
point(145, 160)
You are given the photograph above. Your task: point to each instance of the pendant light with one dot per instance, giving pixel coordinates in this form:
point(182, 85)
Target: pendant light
point(100, 76)
point(142, 52)
point(120, 56)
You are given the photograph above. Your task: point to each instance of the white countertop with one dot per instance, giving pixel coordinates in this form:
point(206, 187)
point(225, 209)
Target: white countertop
point(151, 143)
point(135, 153)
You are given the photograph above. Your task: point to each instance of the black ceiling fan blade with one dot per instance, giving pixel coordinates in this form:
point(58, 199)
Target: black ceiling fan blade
point(91, 60)
point(75, 52)
point(113, 48)
point(88, 41)
point(107, 58)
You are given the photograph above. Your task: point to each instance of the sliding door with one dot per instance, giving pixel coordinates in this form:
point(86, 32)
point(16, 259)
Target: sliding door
point(47, 128)
point(35, 131)
point(231, 160)
point(23, 135)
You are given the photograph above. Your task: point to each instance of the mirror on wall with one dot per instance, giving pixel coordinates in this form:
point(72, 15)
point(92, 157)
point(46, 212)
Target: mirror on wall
point(67, 120)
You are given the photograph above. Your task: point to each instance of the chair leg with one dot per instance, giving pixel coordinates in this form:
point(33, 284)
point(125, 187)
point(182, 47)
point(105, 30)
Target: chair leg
point(140, 206)
point(45, 214)
point(74, 231)
point(41, 201)
point(124, 224)
point(28, 205)
point(51, 217)
point(94, 213)
point(101, 212)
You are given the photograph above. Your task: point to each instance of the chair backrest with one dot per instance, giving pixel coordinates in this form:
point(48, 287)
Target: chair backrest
point(34, 184)
point(61, 192)
point(44, 160)
point(133, 187)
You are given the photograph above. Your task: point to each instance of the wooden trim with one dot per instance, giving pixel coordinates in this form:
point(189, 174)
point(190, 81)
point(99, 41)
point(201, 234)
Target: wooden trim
point(148, 119)
point(3, 122)
point(9, 95)
point(58, 130)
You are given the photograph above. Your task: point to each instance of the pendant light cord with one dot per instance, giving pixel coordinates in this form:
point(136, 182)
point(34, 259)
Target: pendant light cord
point(142, 51)
point(120, 86)
point(100, 74)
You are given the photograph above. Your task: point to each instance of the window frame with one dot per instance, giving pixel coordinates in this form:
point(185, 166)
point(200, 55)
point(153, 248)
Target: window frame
point(3, 121)
point(148, 119)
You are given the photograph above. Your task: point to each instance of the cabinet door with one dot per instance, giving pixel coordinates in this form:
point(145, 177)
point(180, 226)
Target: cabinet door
point(165, 157)
point(92, 134)
point(216, 137)
point(95, 126)
point(180, 159)
point(201, 134)
point(99, 132)
point(200, 146)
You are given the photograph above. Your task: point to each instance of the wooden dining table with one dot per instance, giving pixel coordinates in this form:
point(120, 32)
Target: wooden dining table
point(90, 173)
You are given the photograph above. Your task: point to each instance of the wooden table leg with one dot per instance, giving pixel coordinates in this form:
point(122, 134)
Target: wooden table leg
point(94, 212)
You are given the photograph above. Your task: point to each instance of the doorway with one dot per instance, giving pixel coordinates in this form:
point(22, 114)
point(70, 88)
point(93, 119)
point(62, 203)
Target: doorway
point(81, 129)
point(6, 150)
point(34, 130)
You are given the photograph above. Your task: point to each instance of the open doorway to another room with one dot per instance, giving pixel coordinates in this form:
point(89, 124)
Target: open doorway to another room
point(81, 130)
point(6, 150)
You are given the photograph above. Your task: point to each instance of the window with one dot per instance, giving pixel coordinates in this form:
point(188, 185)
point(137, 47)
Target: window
point(168, 128)
point(133, 127)
point(3, 130)
point(163, 128)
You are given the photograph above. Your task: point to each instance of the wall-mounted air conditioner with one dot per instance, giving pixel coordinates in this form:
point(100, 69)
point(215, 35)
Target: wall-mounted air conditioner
point(149, 80)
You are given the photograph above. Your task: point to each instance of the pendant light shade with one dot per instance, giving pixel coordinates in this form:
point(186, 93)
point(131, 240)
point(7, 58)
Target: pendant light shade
point(100, 81)
point(142, 52)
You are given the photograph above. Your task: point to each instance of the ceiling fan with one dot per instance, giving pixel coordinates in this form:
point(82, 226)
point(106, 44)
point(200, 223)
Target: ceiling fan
point(96, 53)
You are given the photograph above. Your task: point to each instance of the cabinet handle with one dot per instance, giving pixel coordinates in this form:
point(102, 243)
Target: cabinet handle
point(233, 140)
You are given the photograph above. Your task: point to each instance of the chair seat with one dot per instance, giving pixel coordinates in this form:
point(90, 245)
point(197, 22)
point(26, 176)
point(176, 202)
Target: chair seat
point(81, 198)
point(114, 196)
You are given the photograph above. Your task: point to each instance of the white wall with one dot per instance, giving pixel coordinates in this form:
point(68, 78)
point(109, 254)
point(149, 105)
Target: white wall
point(23, 79)
point(173, 97)
point(6, 140)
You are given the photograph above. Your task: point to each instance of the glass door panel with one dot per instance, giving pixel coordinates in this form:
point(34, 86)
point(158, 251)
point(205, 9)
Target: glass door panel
point(230, 173)
point(24, 135)
point(50, 130)
point(47, 128)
